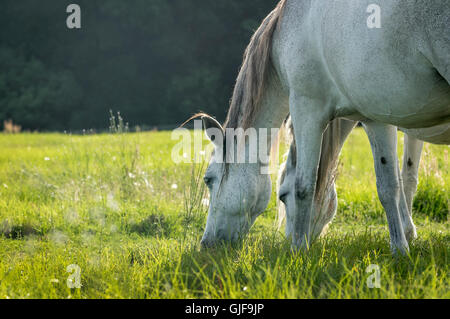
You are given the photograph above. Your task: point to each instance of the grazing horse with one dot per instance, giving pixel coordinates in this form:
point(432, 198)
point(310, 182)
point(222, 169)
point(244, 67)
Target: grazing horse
point(325, 199)
point(319, 61)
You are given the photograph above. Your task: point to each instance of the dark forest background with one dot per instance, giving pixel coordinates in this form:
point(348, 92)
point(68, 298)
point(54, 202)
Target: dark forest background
point(155, 61)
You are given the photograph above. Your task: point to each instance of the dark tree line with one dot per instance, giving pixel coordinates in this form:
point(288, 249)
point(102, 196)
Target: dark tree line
point(157, 61)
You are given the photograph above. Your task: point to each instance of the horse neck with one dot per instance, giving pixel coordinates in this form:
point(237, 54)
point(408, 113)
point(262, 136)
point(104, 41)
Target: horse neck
point(273, 110)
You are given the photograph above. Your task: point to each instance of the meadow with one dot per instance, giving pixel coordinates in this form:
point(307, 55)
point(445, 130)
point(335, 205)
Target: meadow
point(115, 209)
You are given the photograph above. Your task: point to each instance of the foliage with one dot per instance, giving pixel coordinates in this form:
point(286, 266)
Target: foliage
point(158, 61)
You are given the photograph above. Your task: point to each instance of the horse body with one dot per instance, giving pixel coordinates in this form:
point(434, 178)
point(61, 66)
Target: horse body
point(436, 135)
point(397, 74)
point(333, 65)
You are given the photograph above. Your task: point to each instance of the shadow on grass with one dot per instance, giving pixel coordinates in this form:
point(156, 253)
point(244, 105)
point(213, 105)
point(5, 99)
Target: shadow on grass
point(433, 202)
point(18, 231)
point(154, 225)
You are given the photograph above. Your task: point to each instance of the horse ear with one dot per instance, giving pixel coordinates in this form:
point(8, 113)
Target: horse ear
point(213, 130)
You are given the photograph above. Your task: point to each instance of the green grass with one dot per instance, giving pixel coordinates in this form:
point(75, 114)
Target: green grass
point(116, 206)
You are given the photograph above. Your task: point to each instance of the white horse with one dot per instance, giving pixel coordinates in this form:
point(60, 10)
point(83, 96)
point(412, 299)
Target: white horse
point(325, 199)
point(319, 61)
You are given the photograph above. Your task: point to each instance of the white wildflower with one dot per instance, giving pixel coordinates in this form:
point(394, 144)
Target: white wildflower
point(112, 203)
point(59, 238)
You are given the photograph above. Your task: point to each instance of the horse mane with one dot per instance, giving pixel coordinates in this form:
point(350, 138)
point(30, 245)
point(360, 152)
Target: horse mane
point(253, 75)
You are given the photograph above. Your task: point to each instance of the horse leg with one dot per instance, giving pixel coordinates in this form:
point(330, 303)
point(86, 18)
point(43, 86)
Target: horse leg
point(309, 123)
point(411, 160)
point(383, 140)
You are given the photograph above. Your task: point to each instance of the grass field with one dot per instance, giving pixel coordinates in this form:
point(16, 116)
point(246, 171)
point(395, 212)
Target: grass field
point(130, 220)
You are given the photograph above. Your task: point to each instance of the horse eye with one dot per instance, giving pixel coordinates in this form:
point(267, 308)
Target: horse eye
point(282, 197)
point(207, 180)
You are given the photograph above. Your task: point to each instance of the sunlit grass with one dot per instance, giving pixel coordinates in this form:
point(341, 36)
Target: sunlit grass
point(108, 204)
